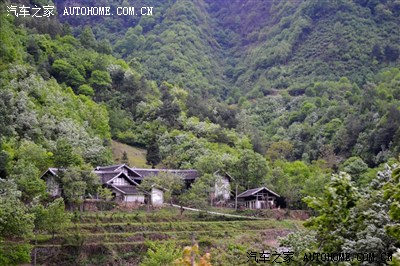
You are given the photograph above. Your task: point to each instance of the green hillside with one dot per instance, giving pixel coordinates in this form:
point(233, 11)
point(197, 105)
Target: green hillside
point(246, 47)
point(235, 59)
point(296, 43)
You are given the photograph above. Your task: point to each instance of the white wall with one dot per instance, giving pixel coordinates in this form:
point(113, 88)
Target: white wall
point(134, 198)
point(157, 197)
point(222, 188)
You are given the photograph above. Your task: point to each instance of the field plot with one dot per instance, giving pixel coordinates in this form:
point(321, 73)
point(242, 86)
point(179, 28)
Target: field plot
point(122, 238)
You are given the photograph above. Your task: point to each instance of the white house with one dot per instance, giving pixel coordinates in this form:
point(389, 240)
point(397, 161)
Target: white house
point(222, 187)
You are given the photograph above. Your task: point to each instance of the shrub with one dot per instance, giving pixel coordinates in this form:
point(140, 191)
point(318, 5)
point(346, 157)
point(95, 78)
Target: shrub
point(160, 254)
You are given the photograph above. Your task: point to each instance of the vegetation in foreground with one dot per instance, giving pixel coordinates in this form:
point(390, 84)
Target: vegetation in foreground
point(351, 220)
point(157, 237)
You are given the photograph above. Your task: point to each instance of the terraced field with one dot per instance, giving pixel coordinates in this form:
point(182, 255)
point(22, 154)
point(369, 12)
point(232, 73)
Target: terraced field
point(122, 238)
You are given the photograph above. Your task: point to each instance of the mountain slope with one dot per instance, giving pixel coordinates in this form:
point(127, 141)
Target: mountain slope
point(281, 44)
point(279, 54)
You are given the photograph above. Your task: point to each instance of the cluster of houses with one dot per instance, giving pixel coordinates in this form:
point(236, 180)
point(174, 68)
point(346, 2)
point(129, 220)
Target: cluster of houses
point(124, 183)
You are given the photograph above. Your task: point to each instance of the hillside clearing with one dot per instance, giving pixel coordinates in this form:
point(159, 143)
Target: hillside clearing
point(136, 156)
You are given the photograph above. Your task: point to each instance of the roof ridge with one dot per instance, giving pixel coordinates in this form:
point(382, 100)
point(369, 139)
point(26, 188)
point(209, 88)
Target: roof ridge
point(255, 190)
point(158, 169)
point(112, 165)
point(107, 172)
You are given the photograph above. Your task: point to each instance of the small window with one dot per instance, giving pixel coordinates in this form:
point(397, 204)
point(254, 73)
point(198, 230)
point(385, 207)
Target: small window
point(120, 181)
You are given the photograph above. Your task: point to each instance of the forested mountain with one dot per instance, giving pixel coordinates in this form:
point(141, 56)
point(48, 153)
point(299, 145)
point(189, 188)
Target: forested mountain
point(291, 44)
point(278, 64)
point(256, 46)
point(277, 93)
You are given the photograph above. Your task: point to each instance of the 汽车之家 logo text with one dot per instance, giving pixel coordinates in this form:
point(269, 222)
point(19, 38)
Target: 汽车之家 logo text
point(27, 11)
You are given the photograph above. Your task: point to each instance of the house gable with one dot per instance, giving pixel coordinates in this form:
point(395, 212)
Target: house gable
point(255, 191)
point(121, 179)
point(51, 178)
point(259, 198)
point(119, 168)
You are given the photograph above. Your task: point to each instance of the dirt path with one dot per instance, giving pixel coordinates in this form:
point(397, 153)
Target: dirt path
point(215, 213)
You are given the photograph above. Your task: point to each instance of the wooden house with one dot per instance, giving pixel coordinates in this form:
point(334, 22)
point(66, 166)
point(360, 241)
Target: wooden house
point(136, 175)
point(122, 186)
point(52, 182)
point(123, 181)
point(259, 198)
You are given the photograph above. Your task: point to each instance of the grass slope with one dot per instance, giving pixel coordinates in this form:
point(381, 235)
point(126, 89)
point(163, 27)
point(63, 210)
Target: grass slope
point(136, 156)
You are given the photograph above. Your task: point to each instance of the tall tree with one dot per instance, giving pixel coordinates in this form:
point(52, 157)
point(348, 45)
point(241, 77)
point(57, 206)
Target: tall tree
point(16, 223)
point(125, 158)
point(250, 169)
point(200, 192)
point(3, 163)
point(64, 155)
point(172, 183)
point(392, 192)
point(56, 218)
point(87, 38)
point(333, 212)
point(78, 183)
point(391, 52)
point(170, 109)
point(153, 156)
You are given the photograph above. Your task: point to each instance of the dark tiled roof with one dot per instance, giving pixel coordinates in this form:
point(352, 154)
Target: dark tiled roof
point(224, 174)
point(52, 171)
point(186, 174)
point(106, 175)
point(118, 168)
point(108, 167)
point(146, 172)
point(253, 191)
point(128, 189)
